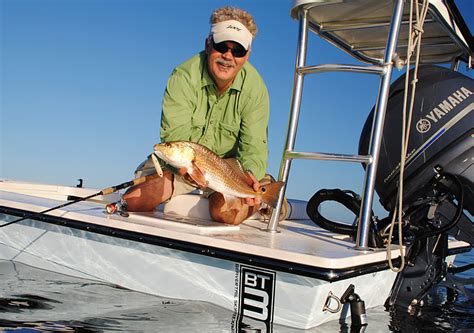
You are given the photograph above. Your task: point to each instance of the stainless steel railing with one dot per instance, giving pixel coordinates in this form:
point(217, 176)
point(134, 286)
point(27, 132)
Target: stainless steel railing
point(384, 70)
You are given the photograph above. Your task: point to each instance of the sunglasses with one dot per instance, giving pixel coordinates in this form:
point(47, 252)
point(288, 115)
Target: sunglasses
point(237, 51)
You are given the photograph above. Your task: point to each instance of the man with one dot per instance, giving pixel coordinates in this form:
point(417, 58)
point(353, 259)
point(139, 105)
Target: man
point(218, 99)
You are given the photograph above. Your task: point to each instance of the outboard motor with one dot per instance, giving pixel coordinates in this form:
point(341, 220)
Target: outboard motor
point(438, 180)
point(441, 136)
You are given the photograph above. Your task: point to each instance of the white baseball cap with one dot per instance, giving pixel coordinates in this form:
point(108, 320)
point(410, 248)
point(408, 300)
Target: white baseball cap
point(231, 30)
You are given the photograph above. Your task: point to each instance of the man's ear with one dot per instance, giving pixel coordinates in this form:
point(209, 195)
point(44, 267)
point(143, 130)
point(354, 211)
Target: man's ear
point(247, 56)
point(207, 43)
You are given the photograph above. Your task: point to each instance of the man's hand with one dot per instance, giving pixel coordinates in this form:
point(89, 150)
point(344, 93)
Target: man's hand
point(252, 181)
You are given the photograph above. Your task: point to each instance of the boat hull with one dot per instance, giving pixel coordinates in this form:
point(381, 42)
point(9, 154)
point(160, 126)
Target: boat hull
point(247, 290)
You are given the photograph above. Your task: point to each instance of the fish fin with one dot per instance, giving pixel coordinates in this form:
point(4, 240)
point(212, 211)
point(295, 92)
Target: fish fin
point(227, 197)
point(157, 164)
point(270, 193)
point(197, 176)
point(232, 202)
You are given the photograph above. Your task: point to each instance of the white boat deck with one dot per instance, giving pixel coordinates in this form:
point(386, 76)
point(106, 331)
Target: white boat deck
point(298, 241)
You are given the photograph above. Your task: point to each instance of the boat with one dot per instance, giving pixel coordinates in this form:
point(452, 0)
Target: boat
point(305, 270)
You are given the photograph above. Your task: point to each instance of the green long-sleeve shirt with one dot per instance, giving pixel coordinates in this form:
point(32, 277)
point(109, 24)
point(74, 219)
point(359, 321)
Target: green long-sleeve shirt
point(232, 125)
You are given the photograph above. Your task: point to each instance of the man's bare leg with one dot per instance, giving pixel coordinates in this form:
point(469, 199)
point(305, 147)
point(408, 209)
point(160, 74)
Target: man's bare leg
point(146, 196)
point(230, 211)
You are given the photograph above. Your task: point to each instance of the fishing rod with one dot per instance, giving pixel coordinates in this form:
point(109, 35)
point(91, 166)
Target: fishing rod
point(105, 191)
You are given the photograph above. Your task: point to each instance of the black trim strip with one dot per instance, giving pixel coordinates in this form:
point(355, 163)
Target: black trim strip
point(321, 273)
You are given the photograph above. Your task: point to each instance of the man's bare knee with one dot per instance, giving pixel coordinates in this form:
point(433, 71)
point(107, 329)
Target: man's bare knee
point(233, 211)
point(146, 196)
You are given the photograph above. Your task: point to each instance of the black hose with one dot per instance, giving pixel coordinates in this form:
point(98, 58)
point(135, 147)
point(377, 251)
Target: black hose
point(349, 201)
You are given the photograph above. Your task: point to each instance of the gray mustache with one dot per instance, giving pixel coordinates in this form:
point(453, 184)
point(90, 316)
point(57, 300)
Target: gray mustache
point(225, 62)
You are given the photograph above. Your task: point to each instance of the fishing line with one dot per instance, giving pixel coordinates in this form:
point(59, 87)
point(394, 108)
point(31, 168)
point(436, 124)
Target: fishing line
point(105, 191)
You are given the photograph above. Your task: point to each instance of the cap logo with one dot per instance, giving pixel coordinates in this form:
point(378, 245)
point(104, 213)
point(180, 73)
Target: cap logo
point(230, 26)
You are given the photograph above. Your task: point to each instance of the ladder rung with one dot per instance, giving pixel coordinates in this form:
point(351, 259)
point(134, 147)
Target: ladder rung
point(328, 157)
point(341, 68)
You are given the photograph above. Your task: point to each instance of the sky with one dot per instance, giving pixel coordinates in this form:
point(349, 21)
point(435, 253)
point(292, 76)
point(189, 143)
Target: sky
point(81, 84)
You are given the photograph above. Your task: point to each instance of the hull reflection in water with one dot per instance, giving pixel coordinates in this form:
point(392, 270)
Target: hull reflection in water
point(56, 302)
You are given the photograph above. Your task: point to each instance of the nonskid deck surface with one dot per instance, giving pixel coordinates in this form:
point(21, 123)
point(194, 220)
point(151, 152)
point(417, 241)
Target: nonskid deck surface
point(299, 241)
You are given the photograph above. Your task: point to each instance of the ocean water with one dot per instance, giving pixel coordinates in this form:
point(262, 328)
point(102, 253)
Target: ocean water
point(34, 300)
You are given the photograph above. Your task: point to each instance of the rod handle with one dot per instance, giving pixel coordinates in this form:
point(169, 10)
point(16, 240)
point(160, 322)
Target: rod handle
point(133, 182)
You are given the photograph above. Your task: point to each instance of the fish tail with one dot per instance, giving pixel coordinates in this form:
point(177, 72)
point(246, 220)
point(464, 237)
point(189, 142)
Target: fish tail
point(270, 193)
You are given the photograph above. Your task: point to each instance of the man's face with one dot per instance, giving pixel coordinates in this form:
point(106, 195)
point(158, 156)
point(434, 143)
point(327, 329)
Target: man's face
point(224, 66)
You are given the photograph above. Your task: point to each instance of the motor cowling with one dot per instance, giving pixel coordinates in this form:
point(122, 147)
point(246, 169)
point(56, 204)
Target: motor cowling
point(441, 135)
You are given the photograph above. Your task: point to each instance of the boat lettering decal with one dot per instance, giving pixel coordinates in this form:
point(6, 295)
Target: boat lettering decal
point(254, 293)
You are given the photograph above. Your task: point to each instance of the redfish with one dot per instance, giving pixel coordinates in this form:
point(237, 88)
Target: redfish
point(209, 170)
